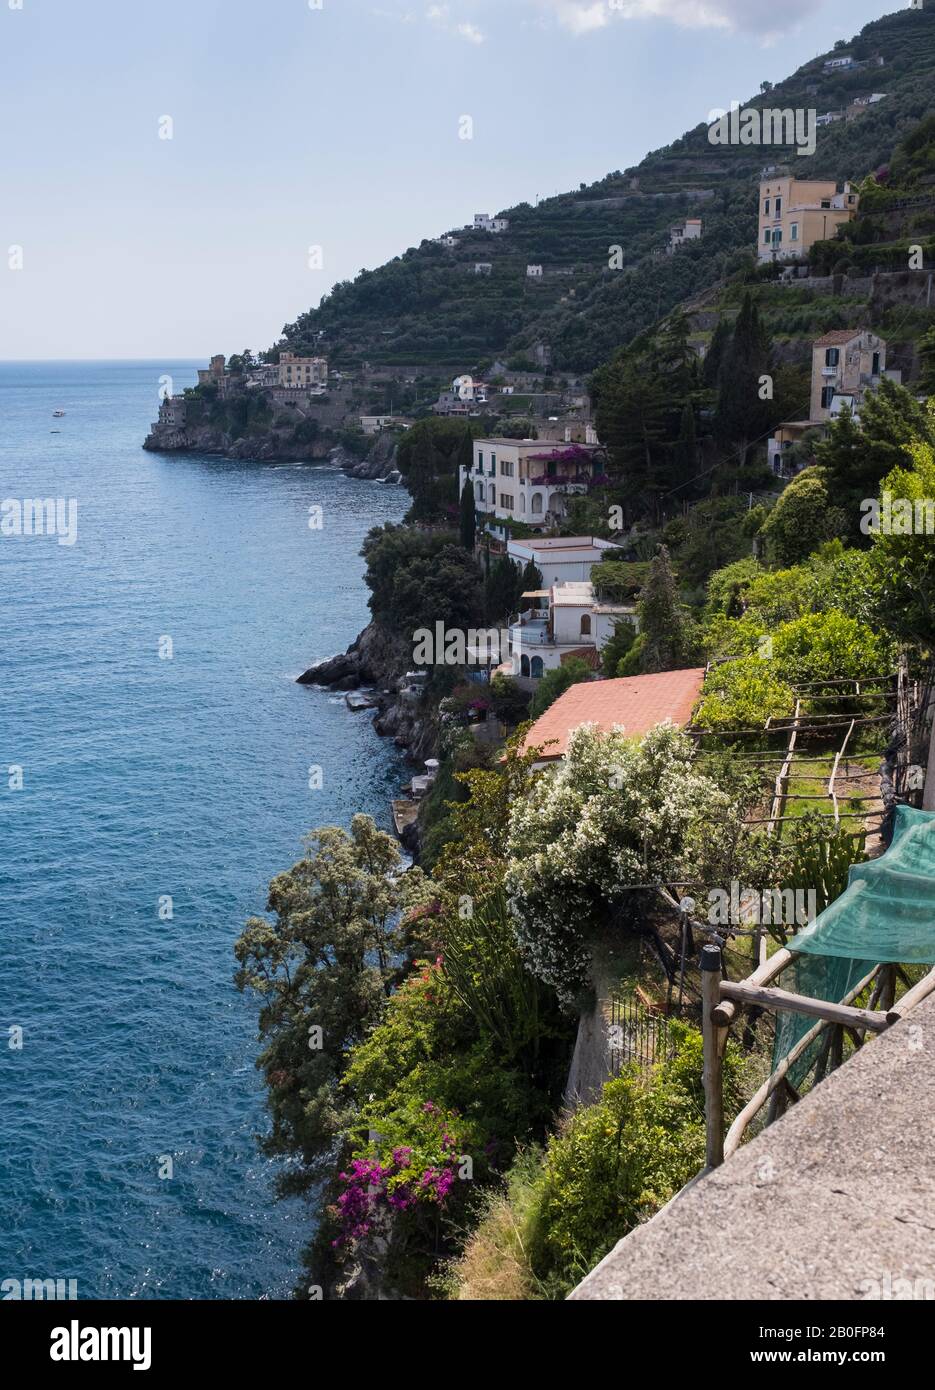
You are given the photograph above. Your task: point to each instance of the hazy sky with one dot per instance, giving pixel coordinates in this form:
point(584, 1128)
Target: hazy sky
point(323, 122)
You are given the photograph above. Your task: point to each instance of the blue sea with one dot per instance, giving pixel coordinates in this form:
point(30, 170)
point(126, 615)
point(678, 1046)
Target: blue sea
point(151, 772)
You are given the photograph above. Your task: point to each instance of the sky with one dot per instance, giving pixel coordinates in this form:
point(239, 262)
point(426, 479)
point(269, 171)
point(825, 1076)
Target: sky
point(323, 123)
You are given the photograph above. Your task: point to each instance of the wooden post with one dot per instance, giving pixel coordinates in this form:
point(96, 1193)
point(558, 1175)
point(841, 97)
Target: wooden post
point(684, 916)
point(713, 1072)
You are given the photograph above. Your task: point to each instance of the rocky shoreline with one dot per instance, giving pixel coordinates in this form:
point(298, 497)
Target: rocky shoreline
point(379, 664)
point(279, 446)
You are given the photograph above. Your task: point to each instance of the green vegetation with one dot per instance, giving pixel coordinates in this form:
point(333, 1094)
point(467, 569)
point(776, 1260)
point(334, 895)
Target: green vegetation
point(555, 683)
point(426, 306)
point(416, 1026)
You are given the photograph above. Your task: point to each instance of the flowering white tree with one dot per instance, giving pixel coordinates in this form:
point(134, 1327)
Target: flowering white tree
point(617, 812)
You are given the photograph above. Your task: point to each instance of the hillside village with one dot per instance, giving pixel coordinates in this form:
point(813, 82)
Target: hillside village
point(646, 641)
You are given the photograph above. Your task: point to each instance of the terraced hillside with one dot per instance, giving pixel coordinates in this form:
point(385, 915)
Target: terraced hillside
point(429, 307)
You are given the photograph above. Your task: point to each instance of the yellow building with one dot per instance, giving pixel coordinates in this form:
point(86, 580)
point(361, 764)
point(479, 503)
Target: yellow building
point(302, 371)
point(795, 213)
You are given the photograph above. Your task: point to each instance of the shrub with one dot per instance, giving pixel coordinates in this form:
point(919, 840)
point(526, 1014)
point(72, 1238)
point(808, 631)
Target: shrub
point(743, 694)
point(827, 646)
point(616, 812)
point(555, 683)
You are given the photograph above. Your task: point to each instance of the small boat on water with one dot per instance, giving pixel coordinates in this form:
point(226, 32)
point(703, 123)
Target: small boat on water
point(57, 414)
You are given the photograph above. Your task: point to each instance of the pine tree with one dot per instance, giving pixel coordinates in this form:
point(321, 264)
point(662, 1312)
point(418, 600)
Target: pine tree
point(468, 521)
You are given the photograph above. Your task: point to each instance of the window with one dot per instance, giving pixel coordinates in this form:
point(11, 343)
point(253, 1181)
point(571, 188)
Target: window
point(493, 495)
point(506, 468)
point(524, 665)
point(832, 357)
point(826, 202)
point(827, 396)
point(586, 625)
point(522, 502)
point(535, 667)
point(767, 236)
point(479, 490)
point(875, 368)
point(778, 208)
point(777, 236)
point(493, 463)
point(480, 460)
point(536, 507)
point(766, 208)
point(794, 232)
point(506, 500)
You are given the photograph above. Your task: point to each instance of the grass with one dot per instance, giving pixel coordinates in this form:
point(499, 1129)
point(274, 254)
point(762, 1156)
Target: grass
point(494, 1264)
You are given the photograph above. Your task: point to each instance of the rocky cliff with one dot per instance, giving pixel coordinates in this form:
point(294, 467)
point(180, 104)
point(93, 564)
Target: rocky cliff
point(380, 660)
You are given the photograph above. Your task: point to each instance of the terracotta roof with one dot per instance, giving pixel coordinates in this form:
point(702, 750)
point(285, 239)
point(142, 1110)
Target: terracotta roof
point(837, 336)
point(638, 703)
point(587, 654)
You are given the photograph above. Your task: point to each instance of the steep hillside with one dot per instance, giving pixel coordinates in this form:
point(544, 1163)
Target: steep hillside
point(429, 307)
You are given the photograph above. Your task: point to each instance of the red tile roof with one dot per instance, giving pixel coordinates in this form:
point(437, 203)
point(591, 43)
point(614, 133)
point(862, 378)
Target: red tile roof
point(837, 336)
point(637, 703)
point(588, 655)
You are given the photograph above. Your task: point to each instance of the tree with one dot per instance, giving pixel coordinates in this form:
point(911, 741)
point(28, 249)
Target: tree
point(905, 557)
point(720, 340)
point(632, 408)
point(616, 649)
point(323, 969)
point(926, 346)
point(856, 458)
point(742, 415)
point(531, 583)
point(685, 452)
point(556, 682)
point(803, 519)
point(465, 454)
point(651, 815)
point(502, 589)
point(445, 589)
point(421, 478)
point(468, 519)
point(667, 640)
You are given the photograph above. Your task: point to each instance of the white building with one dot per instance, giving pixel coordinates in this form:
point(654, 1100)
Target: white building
point(566, 621)
point(484, 223)
point(528, 479)
point(689, 230)
point(482, 267)
point(560, 559)
point(534, 272)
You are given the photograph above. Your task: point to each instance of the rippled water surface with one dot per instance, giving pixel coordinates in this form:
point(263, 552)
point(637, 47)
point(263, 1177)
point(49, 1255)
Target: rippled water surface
point(145, 778)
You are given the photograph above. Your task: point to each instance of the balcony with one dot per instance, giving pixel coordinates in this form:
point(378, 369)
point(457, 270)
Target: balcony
point(530, 633)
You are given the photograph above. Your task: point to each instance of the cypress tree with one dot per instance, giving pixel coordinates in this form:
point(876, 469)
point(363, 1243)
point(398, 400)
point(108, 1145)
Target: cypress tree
point(468, 520)
point(715, 354)
point(666, 638)
point(742, 416)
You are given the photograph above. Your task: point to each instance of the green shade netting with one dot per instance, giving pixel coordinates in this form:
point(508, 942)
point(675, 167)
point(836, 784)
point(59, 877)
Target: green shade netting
point(886, 914)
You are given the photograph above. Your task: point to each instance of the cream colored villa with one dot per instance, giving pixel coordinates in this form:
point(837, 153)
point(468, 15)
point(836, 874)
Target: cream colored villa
point(795, 213)
point(528, 480)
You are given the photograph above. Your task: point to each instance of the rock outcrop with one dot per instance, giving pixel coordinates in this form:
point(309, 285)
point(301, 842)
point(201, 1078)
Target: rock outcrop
point(380, 660)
